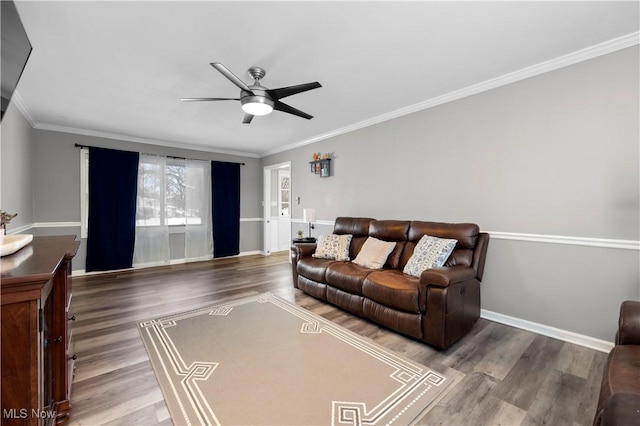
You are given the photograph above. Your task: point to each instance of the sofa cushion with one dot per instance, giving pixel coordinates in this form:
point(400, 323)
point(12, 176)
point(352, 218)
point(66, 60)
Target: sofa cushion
point(394, 289)
point(460, 257)
point(347, 301)
point(430, 252)
point(316, 289)
point(403, 322)
point(314, 269)
point(465, 233)
point(391, 230)
point(333, 246)
point(374, 253)
point(347, 276)
point(356, 226)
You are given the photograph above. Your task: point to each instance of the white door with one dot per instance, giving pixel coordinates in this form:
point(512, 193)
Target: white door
point(277, 207)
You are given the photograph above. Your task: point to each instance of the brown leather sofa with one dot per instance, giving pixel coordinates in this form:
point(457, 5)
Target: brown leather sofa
point(438, 308)
point(619, 402)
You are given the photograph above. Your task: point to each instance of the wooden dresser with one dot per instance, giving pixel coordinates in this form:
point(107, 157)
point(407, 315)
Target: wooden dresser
point(37, 359)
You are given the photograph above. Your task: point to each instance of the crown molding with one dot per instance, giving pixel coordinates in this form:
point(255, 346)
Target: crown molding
point(582, 55)
point(157, 142)
point(20, 104)
point(26, 112)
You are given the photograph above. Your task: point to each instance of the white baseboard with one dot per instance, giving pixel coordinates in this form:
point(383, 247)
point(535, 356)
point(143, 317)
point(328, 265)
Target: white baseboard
point(545, 330)
point(251, 253)
point(83, 272)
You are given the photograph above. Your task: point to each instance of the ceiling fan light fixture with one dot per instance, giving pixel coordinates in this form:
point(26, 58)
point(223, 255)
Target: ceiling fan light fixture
point(257, 99)
point(257, 105)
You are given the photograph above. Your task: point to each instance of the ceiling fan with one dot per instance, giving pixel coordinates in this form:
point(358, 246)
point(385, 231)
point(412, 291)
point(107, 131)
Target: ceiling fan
point(257, 99)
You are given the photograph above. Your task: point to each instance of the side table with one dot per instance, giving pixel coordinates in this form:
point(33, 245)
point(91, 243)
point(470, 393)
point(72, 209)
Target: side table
point(304, 240)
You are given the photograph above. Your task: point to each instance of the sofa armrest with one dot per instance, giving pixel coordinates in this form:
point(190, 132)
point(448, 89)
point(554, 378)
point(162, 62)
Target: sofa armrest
point(301, 250)
point(480, 254)
point(629, 323)
point(446, 275)
point(298, 251)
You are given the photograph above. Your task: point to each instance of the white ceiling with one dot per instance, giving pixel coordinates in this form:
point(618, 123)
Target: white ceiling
point(118, 69)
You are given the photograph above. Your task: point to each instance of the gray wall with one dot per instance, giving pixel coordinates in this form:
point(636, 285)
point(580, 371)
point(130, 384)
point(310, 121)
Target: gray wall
point(54, 188)
point(17, 170)
point(556, 155)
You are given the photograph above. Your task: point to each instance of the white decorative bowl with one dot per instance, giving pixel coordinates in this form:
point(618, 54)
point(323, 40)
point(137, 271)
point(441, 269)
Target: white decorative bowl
point(12, 243)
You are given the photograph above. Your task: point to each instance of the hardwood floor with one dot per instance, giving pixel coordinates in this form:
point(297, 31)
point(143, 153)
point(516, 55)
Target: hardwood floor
point(502, 375)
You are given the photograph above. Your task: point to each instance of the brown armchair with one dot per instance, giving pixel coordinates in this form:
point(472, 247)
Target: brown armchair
point(619, 402)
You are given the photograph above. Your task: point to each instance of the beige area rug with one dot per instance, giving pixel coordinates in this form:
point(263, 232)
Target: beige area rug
point(265, 361)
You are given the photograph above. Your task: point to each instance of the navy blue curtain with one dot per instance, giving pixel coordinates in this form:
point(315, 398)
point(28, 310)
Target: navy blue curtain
point(225, 186)
point(113, 186)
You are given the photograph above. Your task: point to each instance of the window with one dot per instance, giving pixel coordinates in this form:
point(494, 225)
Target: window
point(167, 188)
point(173, 196)
point(175, 184)
point(284, 193)
point(163, 184)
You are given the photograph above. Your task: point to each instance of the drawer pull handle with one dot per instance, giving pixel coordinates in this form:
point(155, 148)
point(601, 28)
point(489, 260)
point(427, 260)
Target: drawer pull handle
point(56, 340)
point(74, 357)
point(73, 318)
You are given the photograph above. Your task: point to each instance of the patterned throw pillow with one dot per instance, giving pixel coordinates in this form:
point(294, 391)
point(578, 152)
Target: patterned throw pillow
point(374, 253)
point(333, 246)
point(430, 252)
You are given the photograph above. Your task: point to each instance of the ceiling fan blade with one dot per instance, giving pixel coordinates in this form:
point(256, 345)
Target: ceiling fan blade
point(208, 99)
point(281, 106)
point(283, 92)
point(231, 76)
point(247, 119)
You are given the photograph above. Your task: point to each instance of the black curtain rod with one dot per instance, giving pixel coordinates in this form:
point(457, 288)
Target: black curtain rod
point(168, 156)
